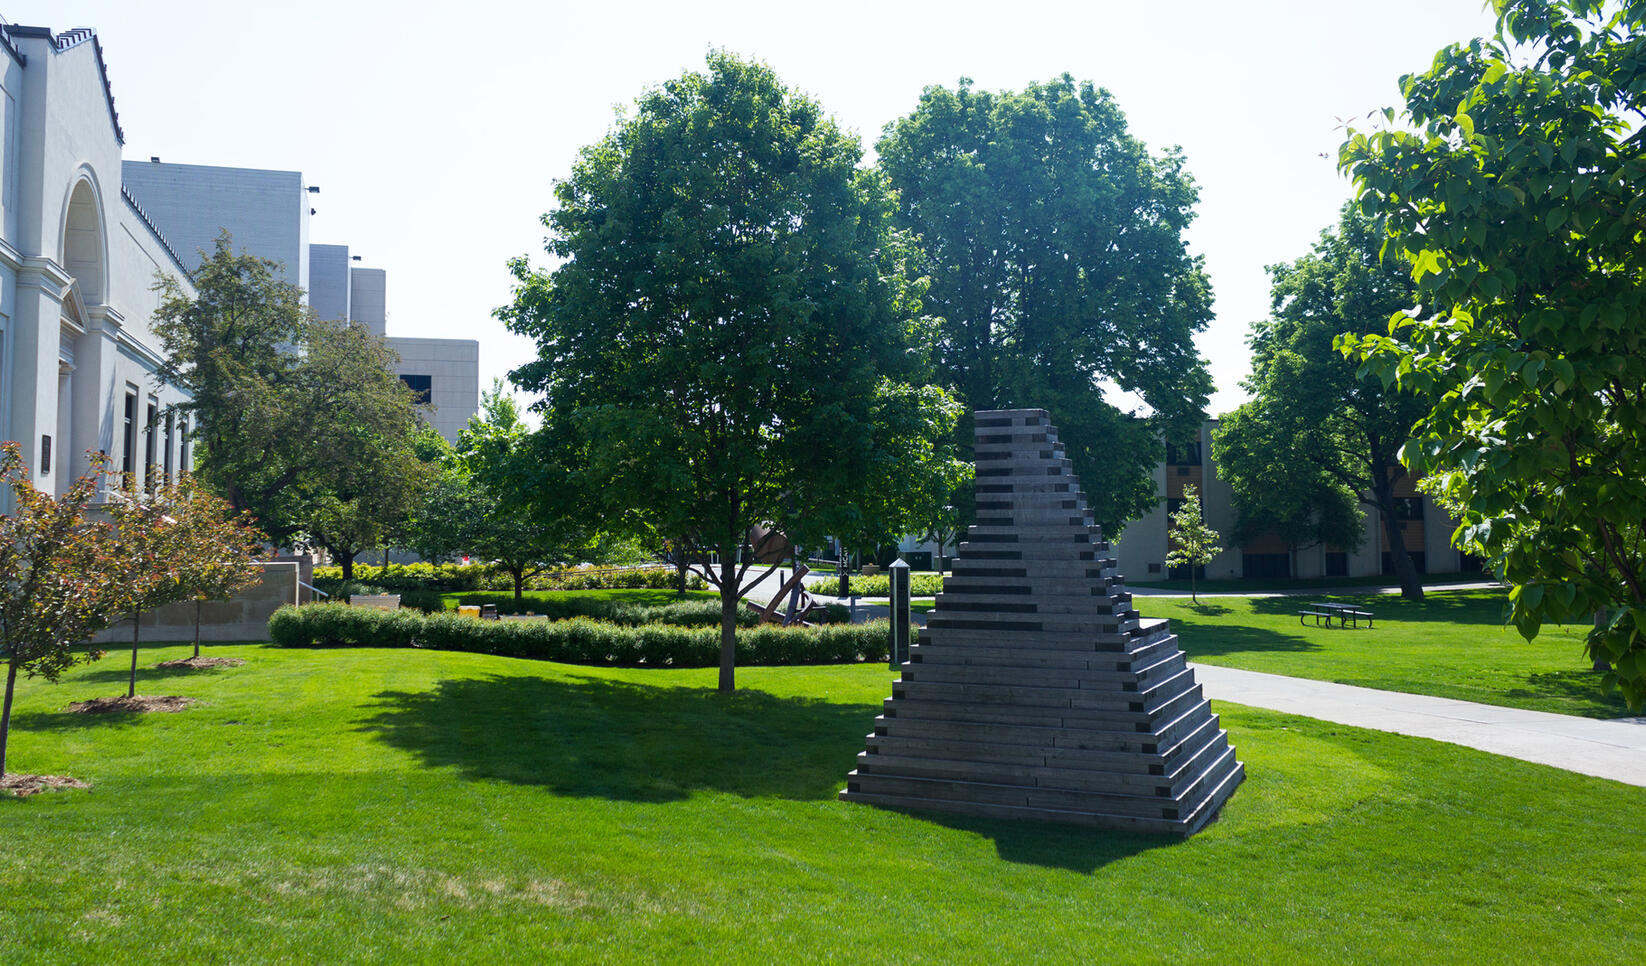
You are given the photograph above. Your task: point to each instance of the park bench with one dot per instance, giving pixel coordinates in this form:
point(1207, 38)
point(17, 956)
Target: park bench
point(1320, 616)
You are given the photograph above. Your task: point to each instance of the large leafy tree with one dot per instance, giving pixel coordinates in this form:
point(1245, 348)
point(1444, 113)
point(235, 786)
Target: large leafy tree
point(299, 422)
point(1054, 242)
point(731, 332)
point(59, 579)
point(1517, 190)
point(367, 476)
point(1316, 439)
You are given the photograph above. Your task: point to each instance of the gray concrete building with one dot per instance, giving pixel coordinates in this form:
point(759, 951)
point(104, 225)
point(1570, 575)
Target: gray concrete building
point(266, 212)
point(446, 374)
point(329, 281)
point(369, 299)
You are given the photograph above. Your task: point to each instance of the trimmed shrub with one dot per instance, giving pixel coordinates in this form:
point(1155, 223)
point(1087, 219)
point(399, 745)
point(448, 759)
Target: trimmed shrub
point(920, 585)
point(447, 577)
point(578, 640)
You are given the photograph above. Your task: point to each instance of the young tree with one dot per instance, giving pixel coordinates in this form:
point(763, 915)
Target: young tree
point(1054, 242)
point(731, 337)
point(1517, 194)
point(57, 580)
point(147, 544)
point(219, 548)
point(1316, 439)
point(1193, 543)
point(475, 504)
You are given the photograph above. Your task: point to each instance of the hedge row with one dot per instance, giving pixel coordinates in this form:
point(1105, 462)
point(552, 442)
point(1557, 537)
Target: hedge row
point(686, 613)
point(578, 640)
point(447, 577)
point(920, 585)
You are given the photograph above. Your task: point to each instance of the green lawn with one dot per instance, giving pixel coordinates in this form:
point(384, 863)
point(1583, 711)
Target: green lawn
point(1453, 644)
point(394, 805)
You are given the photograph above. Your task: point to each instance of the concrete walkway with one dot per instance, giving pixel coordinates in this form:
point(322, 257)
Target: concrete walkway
point(1613, 749)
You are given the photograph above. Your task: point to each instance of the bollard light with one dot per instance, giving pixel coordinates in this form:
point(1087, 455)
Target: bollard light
point(898, 572)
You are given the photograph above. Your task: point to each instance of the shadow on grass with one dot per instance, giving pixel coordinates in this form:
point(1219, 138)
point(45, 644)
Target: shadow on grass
point(1485, 607)
point(1580, 688)
point(1074, 848)
point(1207, 638)
point(586, 736)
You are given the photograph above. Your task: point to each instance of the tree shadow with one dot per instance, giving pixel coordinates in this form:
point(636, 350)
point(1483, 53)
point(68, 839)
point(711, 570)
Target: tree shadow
point(151, 673)
point(1578, 688)
point(586, 736)
point(1467, 607)
point(1204, 638)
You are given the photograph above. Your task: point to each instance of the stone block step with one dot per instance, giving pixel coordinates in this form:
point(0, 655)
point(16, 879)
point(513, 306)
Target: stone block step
point(1126, 823)
point(1022, 796)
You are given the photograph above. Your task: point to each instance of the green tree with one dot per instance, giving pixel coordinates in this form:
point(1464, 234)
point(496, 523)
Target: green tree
point(300, 423)
point(1517, 189)
point(1054, 242)
point(731, 336)
point(59, 579)
point(366, 476)
point(469, 508)
point(1316, 438)
point(1193, 543)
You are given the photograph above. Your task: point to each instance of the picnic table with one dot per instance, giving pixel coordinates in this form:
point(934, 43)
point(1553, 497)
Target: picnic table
point(1324, 612)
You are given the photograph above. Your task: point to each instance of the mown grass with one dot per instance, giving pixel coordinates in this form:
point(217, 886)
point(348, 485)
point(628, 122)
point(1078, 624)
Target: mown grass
point(378, 805)
point(1452, 644)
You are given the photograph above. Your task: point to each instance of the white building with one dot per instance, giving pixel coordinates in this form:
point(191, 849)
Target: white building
point(78, 257)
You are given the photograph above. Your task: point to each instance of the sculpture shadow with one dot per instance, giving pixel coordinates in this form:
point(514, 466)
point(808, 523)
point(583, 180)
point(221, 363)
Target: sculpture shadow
point(1073, 848)
point(587, 736)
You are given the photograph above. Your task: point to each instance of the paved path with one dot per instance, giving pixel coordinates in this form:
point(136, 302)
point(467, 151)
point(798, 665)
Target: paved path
point(1613, 749)
point(1365, 590)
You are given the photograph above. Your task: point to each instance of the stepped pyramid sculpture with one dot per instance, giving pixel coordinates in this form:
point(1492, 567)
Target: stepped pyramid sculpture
point(1035, 690)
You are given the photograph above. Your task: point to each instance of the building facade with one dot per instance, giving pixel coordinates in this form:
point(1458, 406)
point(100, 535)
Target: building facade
point(1142, 549)
point(78, 259)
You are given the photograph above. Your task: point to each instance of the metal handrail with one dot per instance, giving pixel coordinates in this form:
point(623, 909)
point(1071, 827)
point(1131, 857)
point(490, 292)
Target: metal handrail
point(302, 583)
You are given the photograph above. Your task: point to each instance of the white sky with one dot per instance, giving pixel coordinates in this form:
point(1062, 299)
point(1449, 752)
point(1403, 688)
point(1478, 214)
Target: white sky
point(436, 132)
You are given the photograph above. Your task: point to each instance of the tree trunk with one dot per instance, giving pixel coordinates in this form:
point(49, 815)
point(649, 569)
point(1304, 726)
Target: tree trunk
point(5, 713)
point(680, 572)
point(728, 622)
point(1194, 597)
point(1600, 662)
point(197, 628)
point(136, 631)
point(1411, 585)
point(519, 575)
point(347, 562)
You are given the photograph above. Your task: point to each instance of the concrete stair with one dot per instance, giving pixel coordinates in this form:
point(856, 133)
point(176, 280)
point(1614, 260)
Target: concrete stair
point(1036, 691)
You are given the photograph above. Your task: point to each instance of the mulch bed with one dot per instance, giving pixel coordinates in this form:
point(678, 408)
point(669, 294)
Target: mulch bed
point(141, 703)
point(23, 786)
point(201, 663)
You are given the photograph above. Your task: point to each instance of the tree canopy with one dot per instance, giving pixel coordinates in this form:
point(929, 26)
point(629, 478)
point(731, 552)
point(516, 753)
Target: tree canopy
point(301, 423)
point(732, 337)
point(1316, 440)
point(1054, 243)
point(1517, 189)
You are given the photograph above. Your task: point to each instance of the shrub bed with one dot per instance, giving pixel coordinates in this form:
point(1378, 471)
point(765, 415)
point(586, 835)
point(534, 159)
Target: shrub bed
point(685, 613)
point(578, 640)
point(447, 577)
point(880, 585)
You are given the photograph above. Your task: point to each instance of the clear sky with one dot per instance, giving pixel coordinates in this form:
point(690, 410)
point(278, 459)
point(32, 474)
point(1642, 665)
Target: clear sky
point(436, 132)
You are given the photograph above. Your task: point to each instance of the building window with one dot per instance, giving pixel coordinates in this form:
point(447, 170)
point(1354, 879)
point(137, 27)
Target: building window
point(1183, 455)
point(1173, 504)
point(1408, 507)
point(184, 466)
point(128, 454)
point(1154, 568)
point(1265, 565)
point(171, 428)
point(1337, 564)
point(422, 386)
point(151, 476)
point(45, 455)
